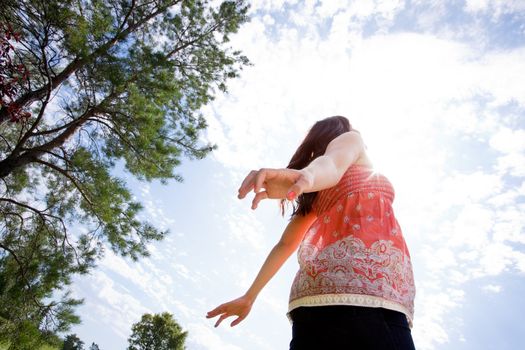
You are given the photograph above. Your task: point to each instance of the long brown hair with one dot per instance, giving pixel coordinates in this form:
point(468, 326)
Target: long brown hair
point(313, 146)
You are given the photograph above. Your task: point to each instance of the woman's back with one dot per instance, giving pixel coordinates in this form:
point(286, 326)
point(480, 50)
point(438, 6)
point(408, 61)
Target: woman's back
point(355, 253)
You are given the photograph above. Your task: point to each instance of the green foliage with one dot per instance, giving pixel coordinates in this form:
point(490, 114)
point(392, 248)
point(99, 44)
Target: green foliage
point(5, 346)
point(94, 346)
point(157, 332)
point(25, 336)
point(111, 82)
point(73, 342)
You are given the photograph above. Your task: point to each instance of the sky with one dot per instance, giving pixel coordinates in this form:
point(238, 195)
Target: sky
point(436, 90)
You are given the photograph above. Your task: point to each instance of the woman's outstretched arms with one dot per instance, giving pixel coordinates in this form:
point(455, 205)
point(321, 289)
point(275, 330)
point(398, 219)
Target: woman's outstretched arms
point(292, 236)
point(323, 172)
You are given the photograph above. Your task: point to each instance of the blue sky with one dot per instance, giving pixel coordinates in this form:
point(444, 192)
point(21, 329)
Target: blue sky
point(436, 89)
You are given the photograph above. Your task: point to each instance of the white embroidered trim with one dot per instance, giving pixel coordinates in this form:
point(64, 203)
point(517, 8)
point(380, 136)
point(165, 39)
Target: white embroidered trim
point(348, 299)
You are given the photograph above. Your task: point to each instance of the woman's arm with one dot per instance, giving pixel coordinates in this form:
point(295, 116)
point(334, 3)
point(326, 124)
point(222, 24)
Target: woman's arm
point(292, 236)
point(323, 172)
point(326, 170)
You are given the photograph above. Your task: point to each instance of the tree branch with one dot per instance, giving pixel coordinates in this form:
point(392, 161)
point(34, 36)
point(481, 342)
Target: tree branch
point(14, 161)
point(23, 272)
point(68, 176)
point(47, 97)
point(77, 62)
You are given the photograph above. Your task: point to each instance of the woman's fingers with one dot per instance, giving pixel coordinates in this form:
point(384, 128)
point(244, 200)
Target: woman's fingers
point(271, 183)
point(223, 316)
point(260, 177)
point(254, 181)
point(239, 307)
point(247, 184)
point(259, 197)
point(302, 183)
point(237, 321)
point(296, 190)
point(218, 310)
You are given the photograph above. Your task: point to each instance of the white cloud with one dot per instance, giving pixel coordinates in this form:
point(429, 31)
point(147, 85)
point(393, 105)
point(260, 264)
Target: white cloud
point(277, 305)
point(154, 207)
point(470, 187)
point(441, 259)
point(496, 8)
point(507, 140)
point(116, 307)
point(389, 9)
point(510, 224)
point(499, 76)
point(511, 144)
point(430, 328)
point(496, 258)
point(154, 278)
point(205, 337)
point(513, 163)
point(492, 288)
point(328, 9)
point(361, 10)
point(246, 229)
point(477, 5)
point(121, 266)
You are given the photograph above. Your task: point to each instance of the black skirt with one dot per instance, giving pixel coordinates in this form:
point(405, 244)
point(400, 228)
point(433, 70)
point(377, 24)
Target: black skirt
point(349, 327)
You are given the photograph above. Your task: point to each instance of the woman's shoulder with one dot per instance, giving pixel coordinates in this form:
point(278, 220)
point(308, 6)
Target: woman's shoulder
point(354, 138)
point(349, 142)
point(351, 137)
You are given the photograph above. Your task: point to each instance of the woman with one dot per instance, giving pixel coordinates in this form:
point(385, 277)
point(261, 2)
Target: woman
point(355, 286)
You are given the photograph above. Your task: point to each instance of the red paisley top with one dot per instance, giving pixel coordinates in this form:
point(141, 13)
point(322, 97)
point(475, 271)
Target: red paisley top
point(354, 253)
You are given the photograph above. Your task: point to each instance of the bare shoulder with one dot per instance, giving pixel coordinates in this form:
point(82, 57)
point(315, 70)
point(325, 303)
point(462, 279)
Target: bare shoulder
point(344, 150)
point(350, 139)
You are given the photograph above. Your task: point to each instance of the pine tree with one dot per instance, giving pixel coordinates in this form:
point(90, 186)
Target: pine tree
point(100, 83)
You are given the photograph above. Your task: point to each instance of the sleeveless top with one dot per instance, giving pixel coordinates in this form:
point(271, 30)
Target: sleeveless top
point(354, 253)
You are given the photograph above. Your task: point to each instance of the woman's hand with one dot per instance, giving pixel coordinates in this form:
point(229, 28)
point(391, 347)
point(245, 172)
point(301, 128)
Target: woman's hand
point(239, 307)
point(275, 184)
